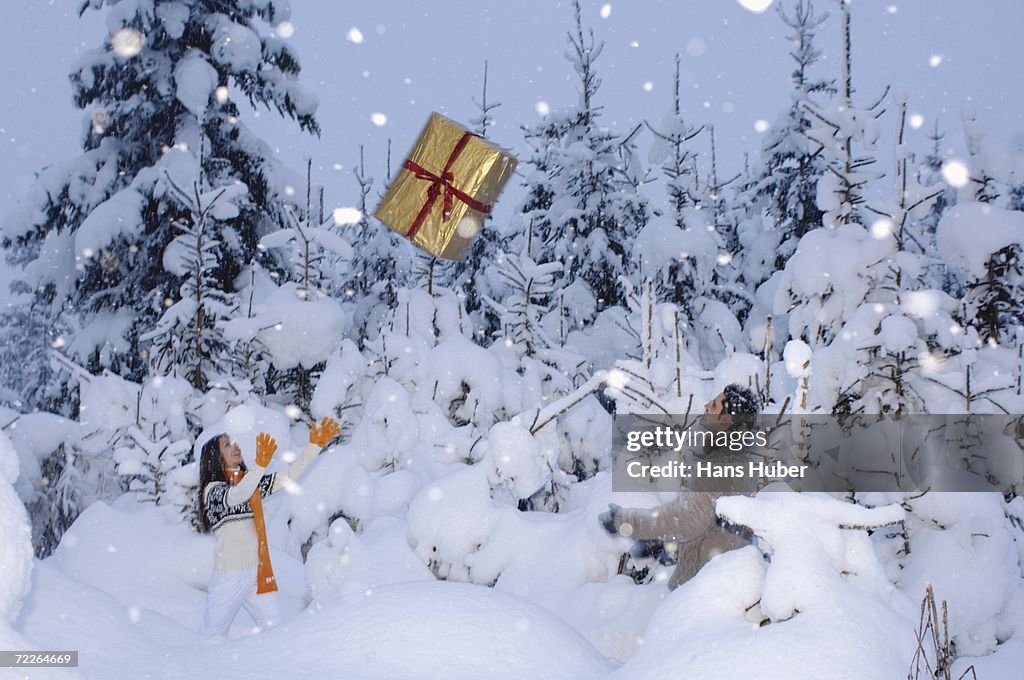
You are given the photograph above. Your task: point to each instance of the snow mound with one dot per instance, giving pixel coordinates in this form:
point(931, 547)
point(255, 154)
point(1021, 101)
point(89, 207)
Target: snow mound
point(16, 557)
point(711, 628)
point(969, 233)
point(295, 330)
point(194, 79)
point(411, 631)
point(424, 630)
point(138, 558)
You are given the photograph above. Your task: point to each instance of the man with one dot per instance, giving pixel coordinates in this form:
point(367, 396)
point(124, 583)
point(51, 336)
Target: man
point(690, 522)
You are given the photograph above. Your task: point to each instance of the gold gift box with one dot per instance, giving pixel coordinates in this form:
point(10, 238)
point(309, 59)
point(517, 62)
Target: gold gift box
point(445, 188)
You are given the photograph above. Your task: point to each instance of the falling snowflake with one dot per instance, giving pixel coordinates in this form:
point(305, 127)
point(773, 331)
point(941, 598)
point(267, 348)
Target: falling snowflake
point(916, 120)
point(617, 378)
point(543, 108)
point(378, 118)
point(955, 173)
point(469, 226)
point(354, 35)
point(606, 10)
point(221, 93)
point(648, 86)
point(126, 42)
point(285, 29)
point(756, 6)
point(761, 125)
point(882, 228)
point(935, 60)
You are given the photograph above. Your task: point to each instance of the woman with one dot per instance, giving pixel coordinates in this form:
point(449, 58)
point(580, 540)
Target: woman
point(231, 506)
point(690, 523)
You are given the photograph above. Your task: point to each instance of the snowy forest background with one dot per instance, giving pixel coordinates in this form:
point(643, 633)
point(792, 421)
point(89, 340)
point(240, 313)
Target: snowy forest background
point(173, 277)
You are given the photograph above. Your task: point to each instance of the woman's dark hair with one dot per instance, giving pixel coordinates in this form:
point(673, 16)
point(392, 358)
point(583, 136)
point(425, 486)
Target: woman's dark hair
point(210, 470)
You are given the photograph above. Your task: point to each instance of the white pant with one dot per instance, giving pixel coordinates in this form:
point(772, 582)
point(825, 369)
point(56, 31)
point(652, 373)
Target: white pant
point(231, 590)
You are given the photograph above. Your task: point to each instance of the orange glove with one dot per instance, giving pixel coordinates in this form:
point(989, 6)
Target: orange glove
point(325, 432)
point(265, 447)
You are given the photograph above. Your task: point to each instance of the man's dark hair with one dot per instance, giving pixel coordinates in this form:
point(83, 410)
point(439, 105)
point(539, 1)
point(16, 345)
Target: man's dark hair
point(742, 403)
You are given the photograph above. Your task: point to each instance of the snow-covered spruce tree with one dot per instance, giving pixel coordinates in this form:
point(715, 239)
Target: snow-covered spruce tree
point(683, 250)
point(475, 277)
point(844, 135)
point(826, 279)
point(305, 241)
point(382, 261)
point(187, 339)
point(852, 295)
point(678, 164)
point(790, 166)
point(671, 152)
point(921, 233)
point(85, 242)
point(159, 443)
point(909, 320)
point(532, 290)
point(993, 301)
point(581, 207)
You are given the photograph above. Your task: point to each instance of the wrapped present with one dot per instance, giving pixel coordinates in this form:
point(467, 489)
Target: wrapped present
point(445, 189)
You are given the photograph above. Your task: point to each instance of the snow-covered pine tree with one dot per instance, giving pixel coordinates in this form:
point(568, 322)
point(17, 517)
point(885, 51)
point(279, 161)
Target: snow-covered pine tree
point(477, 276)
point(582, 207)
point(921, 233)
point(994, 297)
point(305, 241)
point(157, 92)
point(844, 135)
point(790, 165)
point(676, 159)
point(382, 261)
point(908, 320)
point(684, 252)
point(531, 291)
point(187, 339)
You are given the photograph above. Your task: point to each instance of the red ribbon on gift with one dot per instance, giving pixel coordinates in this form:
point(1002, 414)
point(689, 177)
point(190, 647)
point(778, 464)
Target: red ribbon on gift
point(443, 183)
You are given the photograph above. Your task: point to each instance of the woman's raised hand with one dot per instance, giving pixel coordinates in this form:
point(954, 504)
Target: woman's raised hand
point(327, 430)
point(265, 447)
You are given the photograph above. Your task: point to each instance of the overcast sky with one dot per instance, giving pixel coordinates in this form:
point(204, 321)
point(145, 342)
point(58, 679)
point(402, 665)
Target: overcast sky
point(415, 57)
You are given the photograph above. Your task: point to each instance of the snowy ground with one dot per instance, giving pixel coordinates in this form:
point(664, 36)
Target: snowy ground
point(126, 589)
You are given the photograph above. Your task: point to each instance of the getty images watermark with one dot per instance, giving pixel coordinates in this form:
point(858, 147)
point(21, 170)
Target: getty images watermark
point(819, 453)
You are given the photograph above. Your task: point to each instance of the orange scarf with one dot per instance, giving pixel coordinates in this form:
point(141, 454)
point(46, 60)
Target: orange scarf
point(265, 581)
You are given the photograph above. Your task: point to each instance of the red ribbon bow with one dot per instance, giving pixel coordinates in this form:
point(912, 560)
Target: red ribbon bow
point(442, 184)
